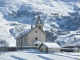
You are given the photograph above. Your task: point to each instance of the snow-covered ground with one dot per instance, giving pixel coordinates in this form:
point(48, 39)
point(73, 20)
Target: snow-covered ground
point(4, 31)
point(31, 54)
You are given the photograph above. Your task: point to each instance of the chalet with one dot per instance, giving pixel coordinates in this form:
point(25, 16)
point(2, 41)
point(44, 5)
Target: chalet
point(33, 37)
point(49, 47)
point(73, 43)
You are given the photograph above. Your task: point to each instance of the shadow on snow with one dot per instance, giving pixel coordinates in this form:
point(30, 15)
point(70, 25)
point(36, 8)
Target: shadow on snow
point(65, 56)
point(19, 58)
point(46, 58)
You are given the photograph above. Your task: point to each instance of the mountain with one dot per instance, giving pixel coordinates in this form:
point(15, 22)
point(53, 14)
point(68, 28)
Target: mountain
point(54, 14)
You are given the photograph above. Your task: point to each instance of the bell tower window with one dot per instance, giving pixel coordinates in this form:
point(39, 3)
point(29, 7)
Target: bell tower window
point(39, 22)
point(40, 27)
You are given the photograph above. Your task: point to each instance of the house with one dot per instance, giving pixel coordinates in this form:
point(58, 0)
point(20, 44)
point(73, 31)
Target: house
point(73, 43)
point(49, 47)
point(34, 36)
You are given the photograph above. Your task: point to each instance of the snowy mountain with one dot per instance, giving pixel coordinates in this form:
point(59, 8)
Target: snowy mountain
point(52, 13)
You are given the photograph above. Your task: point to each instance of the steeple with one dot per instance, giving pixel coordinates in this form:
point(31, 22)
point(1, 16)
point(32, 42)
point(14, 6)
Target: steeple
point(39, 23)
point(38, 20)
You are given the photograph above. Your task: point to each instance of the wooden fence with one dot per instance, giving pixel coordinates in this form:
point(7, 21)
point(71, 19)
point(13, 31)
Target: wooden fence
point(15, 48)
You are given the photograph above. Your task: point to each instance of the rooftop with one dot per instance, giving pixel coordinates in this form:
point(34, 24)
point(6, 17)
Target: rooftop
point(52, 45)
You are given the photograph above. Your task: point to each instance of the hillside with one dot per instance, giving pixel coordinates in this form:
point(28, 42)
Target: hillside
point(25, 12)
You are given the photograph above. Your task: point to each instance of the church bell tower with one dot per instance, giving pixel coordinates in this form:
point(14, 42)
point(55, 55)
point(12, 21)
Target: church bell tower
point(39, 23)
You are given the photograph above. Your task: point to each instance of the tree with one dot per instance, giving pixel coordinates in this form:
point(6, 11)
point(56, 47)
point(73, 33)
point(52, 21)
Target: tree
point(3, 43)
point(19, 31)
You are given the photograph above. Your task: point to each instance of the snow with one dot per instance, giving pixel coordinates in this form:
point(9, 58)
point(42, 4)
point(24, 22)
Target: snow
point(36, 42)
point(70, 40)
point(31, 54)
point(48, 6)
point(45, 6)
point(24, 33)
point(77, 42)
point(54, 23)
point(26, 7)
point(51, 45)
point(4, 31)
point(67, 43)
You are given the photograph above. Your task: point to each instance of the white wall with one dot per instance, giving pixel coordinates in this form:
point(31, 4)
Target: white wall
point(32, 35)
point(24, 41)
point(54, 50)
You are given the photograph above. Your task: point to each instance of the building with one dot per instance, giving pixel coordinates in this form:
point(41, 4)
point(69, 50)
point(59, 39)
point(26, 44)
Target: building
point(33, 37)
point(73, 43)
point(49, 47)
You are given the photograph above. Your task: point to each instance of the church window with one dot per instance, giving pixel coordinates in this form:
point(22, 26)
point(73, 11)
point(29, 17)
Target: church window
point(40, 27)
point(36, 31)
point(36, 38)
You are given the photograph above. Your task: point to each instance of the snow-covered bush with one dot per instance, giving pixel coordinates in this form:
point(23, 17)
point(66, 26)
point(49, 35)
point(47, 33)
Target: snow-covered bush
point(3, 43)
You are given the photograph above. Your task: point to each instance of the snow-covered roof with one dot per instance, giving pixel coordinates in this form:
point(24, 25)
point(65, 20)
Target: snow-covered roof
point(24, 33)
point(76, 43)
point(36, 42)
point(27, 31)
point(77, 40)
point(71, 41)
point(51, 45)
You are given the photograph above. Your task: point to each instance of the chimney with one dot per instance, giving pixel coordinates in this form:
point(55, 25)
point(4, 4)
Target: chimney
point(31, 26)
point(74, 39)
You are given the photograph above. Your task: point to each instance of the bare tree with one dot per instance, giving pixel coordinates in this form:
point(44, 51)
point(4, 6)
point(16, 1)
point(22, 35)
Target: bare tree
point(20, 30)
point(3, 43)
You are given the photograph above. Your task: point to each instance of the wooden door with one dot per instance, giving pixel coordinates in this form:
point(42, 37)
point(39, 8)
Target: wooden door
point(41, 50)
point(47, 50)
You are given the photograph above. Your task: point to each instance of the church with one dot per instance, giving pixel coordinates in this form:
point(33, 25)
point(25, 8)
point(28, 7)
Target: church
point(34, 37)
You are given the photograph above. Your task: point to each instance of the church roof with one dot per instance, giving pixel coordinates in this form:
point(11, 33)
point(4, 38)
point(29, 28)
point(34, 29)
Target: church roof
point(28, 31)
point(24, 33)
point(51, 45)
